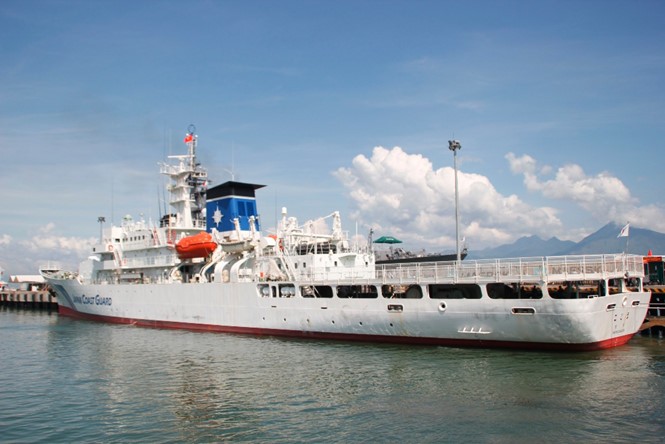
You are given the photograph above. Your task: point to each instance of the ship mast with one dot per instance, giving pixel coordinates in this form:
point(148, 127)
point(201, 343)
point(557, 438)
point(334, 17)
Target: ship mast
point(188, 180)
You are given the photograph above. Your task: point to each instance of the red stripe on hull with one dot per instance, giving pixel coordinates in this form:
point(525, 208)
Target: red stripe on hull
point(593, 346)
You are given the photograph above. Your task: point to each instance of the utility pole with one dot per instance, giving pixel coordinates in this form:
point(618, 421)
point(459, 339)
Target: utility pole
point(454, 146)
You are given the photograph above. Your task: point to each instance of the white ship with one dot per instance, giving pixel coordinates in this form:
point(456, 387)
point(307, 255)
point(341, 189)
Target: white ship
point(206, 266)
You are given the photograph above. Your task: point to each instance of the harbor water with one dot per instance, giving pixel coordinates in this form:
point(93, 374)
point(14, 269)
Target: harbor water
point(66, 380)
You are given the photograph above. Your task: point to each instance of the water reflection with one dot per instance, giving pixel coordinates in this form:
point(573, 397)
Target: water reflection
point(97, 382)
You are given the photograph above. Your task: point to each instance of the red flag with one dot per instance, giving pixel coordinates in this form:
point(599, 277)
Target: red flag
point(189, 138)
point(625, 231)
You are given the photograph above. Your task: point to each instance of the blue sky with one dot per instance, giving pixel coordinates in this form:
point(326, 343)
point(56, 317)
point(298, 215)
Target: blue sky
point(334, 105)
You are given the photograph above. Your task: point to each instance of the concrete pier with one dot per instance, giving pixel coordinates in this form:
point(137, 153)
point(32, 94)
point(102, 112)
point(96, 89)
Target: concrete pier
point(654, 324)
point(29, 299)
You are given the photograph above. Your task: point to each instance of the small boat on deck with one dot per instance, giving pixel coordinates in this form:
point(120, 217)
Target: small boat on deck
point(400, 256)
point(197, 245)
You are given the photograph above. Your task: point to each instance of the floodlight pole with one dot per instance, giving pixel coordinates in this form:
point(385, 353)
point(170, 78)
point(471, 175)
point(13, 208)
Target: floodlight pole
point(454, 145)
point(101, 220)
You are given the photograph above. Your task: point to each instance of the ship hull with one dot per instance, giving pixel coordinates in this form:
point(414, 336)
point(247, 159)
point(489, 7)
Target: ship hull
point(576, 324)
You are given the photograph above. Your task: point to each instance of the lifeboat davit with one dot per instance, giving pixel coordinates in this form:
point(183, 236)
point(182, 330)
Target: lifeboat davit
point(198, 245)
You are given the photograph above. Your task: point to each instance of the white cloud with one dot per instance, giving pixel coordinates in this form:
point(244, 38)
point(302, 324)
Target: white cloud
point(59, 244)
point(47, 228)
point(603, 196)
point(48, 241)
point(26, 256)
point(5, 239)
point(401, 194)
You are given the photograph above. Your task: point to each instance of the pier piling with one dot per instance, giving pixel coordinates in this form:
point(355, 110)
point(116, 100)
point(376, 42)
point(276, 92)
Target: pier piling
point(29, 299)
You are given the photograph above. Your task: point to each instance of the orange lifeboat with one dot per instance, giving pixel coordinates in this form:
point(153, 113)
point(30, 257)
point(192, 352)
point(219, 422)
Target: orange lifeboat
point(198, 245)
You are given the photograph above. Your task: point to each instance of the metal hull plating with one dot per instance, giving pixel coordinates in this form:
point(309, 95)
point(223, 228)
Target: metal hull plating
point(575, 324)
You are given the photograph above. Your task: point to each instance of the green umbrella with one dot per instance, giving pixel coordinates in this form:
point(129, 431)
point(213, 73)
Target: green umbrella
point(387, 240)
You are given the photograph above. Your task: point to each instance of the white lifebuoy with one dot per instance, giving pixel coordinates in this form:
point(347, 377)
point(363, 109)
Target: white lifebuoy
point(442, 307)
point(110, 248)
point(625, 301)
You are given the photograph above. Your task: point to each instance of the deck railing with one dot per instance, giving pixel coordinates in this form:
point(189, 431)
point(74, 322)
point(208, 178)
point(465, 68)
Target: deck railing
point(540, 269)
point(657, 309)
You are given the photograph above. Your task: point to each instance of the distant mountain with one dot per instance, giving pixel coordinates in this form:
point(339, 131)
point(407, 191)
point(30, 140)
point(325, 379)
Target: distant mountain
point(605, 240)
point(525, 247)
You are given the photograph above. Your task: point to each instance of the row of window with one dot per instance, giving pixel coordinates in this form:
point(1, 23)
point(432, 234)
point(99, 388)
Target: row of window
point(556, 290)
point(127, 239)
